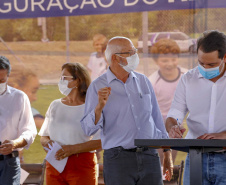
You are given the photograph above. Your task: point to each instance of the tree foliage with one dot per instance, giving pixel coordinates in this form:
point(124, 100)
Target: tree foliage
point(126, 24)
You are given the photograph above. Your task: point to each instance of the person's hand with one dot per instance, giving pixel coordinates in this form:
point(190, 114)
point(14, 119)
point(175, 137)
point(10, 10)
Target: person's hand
point(176, 131)
point(167, 165)
point(98, 154)
point(103, 95)
point(7, 147)
point(65, 151)
point(221, 135)
point(47, 143)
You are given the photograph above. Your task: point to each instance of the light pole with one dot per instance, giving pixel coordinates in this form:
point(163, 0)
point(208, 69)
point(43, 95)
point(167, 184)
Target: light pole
point(145, 41)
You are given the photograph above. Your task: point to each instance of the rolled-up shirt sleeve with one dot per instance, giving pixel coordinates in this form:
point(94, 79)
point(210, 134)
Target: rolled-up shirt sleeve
point(178, 108)
point(26, 127)
point(88, 121)
point(96, 136)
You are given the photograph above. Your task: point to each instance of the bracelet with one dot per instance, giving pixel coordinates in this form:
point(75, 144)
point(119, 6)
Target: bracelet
point(166, 150)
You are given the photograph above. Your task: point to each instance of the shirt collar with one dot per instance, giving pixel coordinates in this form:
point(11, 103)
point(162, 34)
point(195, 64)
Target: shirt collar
point(111, 76)
point(99, 55)
point(8, 91)
point(224, 74)
point(133, 75)
point(200, 75)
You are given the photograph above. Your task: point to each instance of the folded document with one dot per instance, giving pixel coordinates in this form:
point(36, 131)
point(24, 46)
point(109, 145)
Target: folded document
point(59, 165)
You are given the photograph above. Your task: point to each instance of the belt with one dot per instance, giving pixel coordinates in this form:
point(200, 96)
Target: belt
point(137, 149)
point(13, 154)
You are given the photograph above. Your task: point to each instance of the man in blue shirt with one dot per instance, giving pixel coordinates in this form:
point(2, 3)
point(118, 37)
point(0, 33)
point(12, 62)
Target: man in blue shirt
point(123, 105)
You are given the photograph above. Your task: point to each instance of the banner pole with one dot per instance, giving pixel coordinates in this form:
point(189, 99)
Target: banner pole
point(67, 29)
point(145, 41)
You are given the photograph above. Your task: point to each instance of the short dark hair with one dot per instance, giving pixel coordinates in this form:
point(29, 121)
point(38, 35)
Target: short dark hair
point(212, 41)
point(4, 64)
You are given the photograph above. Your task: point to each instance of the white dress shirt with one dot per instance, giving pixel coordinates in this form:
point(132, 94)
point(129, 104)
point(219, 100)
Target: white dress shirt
point(16, 119)
point(205, 102)
point(62, 124)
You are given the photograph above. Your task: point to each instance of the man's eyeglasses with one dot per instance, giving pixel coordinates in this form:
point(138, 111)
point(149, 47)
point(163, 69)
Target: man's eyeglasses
point(130, 53)
point(65, 77)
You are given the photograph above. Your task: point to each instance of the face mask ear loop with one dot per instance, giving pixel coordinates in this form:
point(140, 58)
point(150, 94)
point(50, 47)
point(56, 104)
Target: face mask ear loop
point(222, 67)
point(120, 61)
point(72, 87)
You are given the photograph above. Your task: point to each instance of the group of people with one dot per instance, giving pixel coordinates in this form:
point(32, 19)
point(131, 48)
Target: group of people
point(119, 106)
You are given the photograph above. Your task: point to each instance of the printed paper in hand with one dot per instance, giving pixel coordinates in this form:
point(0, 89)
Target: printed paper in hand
point(59, 165)
point(163, 176)
point(23, 175)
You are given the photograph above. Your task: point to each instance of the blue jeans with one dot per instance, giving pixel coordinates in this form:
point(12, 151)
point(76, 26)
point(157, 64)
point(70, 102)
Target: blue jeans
point(132, 168)
point(10, 171)
point(213, 169)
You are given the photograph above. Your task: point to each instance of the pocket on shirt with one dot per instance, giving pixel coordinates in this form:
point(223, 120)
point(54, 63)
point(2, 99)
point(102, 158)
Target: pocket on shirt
point(144, 102)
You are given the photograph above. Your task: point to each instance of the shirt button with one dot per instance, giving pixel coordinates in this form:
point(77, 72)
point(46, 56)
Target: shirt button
point(136, 117)
point(128, 94)
point(139, 128)
point(132, 105)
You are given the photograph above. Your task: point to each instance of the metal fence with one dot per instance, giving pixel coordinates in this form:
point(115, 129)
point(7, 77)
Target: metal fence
point(39, 44)
point(82, 28)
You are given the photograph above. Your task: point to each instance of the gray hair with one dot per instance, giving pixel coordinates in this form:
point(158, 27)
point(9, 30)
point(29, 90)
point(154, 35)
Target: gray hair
point(113, 48)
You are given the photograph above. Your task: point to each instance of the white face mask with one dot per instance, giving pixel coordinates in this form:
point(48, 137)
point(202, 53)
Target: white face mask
point(63, 87)
point(132, 61)
point(2, 87)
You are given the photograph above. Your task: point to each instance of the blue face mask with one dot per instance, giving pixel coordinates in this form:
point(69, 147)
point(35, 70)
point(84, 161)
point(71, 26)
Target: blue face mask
point(209, 73)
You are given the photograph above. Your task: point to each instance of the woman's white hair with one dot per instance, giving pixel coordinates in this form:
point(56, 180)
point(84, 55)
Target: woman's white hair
point(113, 48)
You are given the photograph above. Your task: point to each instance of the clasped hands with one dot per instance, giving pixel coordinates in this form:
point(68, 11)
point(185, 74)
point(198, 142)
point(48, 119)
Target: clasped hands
point(7, 147)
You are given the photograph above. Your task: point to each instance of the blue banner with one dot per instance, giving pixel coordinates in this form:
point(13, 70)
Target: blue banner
point(13, 9)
